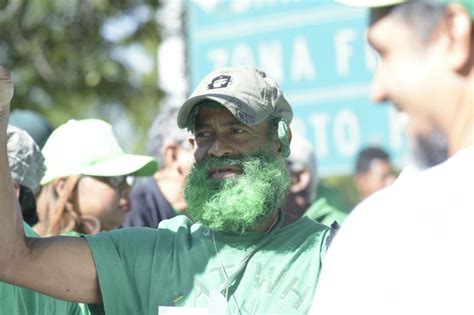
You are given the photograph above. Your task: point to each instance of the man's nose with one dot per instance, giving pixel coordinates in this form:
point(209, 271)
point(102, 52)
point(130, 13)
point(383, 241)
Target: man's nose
point(219, 148)
point(378, 90)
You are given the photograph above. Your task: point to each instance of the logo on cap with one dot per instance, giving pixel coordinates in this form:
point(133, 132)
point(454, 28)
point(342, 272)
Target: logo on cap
point(221, 81)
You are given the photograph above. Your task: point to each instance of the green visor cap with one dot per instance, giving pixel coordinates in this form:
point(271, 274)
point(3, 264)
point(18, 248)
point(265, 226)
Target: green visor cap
point(245, 91)
point(467, 4)
point(89, 147)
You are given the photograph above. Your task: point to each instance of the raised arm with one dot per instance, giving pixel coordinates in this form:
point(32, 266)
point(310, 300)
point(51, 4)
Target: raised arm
point(61, 267)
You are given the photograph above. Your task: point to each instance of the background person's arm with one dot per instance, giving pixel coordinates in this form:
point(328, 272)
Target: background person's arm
point(62, 267)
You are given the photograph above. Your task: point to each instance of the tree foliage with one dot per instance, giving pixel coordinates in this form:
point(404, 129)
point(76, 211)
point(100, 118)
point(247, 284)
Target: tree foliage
point(65, 65)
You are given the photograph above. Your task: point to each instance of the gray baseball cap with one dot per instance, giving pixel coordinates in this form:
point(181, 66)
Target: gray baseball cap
point(25, 158)
point(246, 92)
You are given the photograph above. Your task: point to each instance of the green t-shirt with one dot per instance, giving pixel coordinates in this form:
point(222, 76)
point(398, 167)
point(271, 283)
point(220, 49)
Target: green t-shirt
point(20, 301)
point(324, 213)
point(141, 269)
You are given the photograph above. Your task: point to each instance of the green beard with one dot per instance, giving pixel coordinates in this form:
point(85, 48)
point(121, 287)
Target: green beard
point(240, 203)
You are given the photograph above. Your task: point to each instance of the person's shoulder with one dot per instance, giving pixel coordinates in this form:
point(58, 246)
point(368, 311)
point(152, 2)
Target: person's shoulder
point(324, 213)
point(305, 226)
point(176, 223)
point(452, 175)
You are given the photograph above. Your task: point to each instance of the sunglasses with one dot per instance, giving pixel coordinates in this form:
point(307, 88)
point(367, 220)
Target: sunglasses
point(118, 181)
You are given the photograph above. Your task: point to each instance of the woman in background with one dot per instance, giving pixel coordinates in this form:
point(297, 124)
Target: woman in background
point(87, 180)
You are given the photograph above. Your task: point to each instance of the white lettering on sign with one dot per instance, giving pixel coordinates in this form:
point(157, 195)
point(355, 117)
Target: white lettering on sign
point(319, 123)
point(270, 57)
point(302, 66)
point(298, 63)
point(346, 132)
point(343, 41)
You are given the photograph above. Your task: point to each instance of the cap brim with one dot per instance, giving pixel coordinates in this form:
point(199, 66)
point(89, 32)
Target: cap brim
point(127, 164)
point(370, 3)
point(188, 106)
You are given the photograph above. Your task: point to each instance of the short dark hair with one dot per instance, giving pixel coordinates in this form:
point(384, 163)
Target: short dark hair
point(423, 16)
point(27, 202)
point(367, 155)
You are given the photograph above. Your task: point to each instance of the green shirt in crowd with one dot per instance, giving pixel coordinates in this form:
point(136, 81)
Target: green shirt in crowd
point(141, 269)
point(20, 301)
point(324, 213)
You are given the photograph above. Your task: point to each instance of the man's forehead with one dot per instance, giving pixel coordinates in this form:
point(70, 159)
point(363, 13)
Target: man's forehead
point(207, 111)
point(387, 31)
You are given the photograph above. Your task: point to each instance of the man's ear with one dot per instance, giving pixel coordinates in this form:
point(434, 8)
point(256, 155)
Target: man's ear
point(277, 143)
point(59, 185)
point(461, 41)
point(170, 154)
point(89, 224)
point(192, 142)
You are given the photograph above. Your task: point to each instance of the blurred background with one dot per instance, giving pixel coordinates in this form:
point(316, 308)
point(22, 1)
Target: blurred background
point(122, 60)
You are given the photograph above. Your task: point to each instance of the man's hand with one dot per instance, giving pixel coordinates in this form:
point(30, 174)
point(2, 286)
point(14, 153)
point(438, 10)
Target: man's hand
point(6, 88)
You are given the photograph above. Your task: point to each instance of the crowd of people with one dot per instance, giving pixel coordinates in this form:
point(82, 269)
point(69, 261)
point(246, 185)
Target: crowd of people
point(224, 215)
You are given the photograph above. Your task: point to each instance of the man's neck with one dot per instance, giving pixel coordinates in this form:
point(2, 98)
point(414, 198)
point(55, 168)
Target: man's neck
point(172, 187)
point(461, 134)
point(268, 223)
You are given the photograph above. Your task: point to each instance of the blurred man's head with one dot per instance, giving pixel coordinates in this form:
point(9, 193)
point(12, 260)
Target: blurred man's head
point(239, 119)
point(168, 143)
point(302, 166)
point(426, 70)
point(373, 171)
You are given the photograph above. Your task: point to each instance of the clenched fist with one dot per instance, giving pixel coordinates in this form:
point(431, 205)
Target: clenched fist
point(6, 88)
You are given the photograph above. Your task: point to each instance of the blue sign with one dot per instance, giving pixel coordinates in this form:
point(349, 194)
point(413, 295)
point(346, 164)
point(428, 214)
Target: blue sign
point(317, 52)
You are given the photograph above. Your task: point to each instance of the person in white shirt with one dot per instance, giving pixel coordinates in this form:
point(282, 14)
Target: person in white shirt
point(408, 249)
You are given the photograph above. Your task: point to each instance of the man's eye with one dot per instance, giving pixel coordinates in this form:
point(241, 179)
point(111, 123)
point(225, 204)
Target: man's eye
point(237, 130)
point(202, 134)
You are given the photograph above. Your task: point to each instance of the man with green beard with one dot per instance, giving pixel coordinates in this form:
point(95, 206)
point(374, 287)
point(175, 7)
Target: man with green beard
point(233, 255)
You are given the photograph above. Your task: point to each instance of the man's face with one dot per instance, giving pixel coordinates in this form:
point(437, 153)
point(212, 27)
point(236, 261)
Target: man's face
point(218, 133)
point(239, 179)
point(410, 75)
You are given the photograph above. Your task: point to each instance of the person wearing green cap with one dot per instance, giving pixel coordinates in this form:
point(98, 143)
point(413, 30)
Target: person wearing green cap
point(233, 254)
point(408, 248)
point(85, 187)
